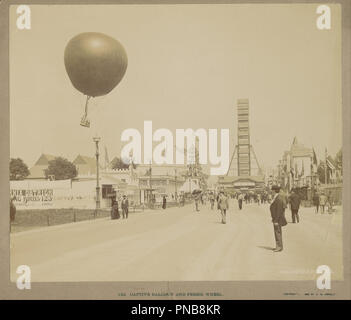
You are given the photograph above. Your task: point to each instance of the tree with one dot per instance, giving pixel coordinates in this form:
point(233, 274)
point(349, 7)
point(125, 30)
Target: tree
point(119, 164)
point(18, 169)
point(61, 169)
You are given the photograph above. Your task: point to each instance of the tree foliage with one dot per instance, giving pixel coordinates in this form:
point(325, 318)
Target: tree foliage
point(61, 169)
point(18, 169)
point(119, 164)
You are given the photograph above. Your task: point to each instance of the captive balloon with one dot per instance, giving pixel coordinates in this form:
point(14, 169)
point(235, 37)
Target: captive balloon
point(95, 64)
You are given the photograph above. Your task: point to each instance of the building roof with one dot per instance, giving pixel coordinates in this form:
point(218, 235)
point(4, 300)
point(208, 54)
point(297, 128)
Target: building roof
point(111, 180)
point(285, 155)
point(84, 160)
point(44, 159)
point(163, 177)
point(330, 158)
point(331, 162)
point(231, 179)
point(37, 171)
point(299, 150)
point(164, 169)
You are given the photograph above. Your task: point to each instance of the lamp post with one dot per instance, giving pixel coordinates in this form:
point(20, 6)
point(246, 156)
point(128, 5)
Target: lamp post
point(175, 184)
point(326, 168)
point(150, 185)
point(97, 140)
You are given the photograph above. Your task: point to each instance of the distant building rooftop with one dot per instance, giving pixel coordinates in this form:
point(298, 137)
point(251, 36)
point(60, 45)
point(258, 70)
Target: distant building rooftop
point(299, 150)
point(38, 170)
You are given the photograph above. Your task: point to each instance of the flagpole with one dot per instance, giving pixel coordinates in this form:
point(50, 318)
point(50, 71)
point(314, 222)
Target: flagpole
point(325, 168)
point(312, 188)
point(150, 184)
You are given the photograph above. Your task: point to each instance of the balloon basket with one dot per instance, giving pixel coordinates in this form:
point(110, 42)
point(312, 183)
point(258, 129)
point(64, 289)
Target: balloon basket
point(84, 122)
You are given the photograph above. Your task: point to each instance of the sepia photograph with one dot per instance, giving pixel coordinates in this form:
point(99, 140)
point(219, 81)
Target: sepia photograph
point(177, 144)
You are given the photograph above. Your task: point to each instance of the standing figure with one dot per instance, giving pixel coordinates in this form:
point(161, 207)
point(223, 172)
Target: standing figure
point(316, 201)
point(212, 200)
point(164, 202)
point(202, 198)
point(12, 211)
point(114, 210)
point(182, 200)
point(277, 209)
point(330, 202)
point(322, 201)
point(223, 205)
point(125, 207)
point(179, 200)
point(240, 201)
point(294, 201)
point(197, 200)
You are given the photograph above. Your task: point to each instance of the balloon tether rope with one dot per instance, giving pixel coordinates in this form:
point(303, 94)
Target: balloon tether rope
point(85, 122)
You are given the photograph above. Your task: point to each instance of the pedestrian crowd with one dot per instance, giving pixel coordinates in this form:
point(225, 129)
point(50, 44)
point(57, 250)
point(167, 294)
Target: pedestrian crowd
point(278, 199)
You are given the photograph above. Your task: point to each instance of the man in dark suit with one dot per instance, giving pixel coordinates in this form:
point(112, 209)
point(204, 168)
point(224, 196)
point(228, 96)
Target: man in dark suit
point(125, 207)
point(295, 201)
point(277, 209)
point(12, 210)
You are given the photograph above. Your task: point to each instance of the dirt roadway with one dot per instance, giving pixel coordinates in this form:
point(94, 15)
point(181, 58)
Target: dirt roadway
point(180, 244)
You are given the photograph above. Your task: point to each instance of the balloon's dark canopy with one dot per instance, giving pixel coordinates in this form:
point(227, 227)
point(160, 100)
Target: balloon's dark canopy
point(95, 63)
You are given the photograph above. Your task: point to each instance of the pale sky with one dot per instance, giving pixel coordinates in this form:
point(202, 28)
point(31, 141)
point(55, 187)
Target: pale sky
point(187, 66)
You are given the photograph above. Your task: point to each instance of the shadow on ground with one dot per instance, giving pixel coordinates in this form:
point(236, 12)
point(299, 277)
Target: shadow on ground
point(267, 248)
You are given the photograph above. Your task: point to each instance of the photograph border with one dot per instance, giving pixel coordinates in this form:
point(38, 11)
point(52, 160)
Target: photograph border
point(229, 290)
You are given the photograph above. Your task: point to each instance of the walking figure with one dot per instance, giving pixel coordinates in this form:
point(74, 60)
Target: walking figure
point(197, 200)
point(212, 200)
point(202, 198)
point(316, 201)
point(125, 207)
point(182, 200)
point(330, 202)
point(240, 201)
point(294, 201)
point(322, 201)
point(223, 205)
point(164, 202)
